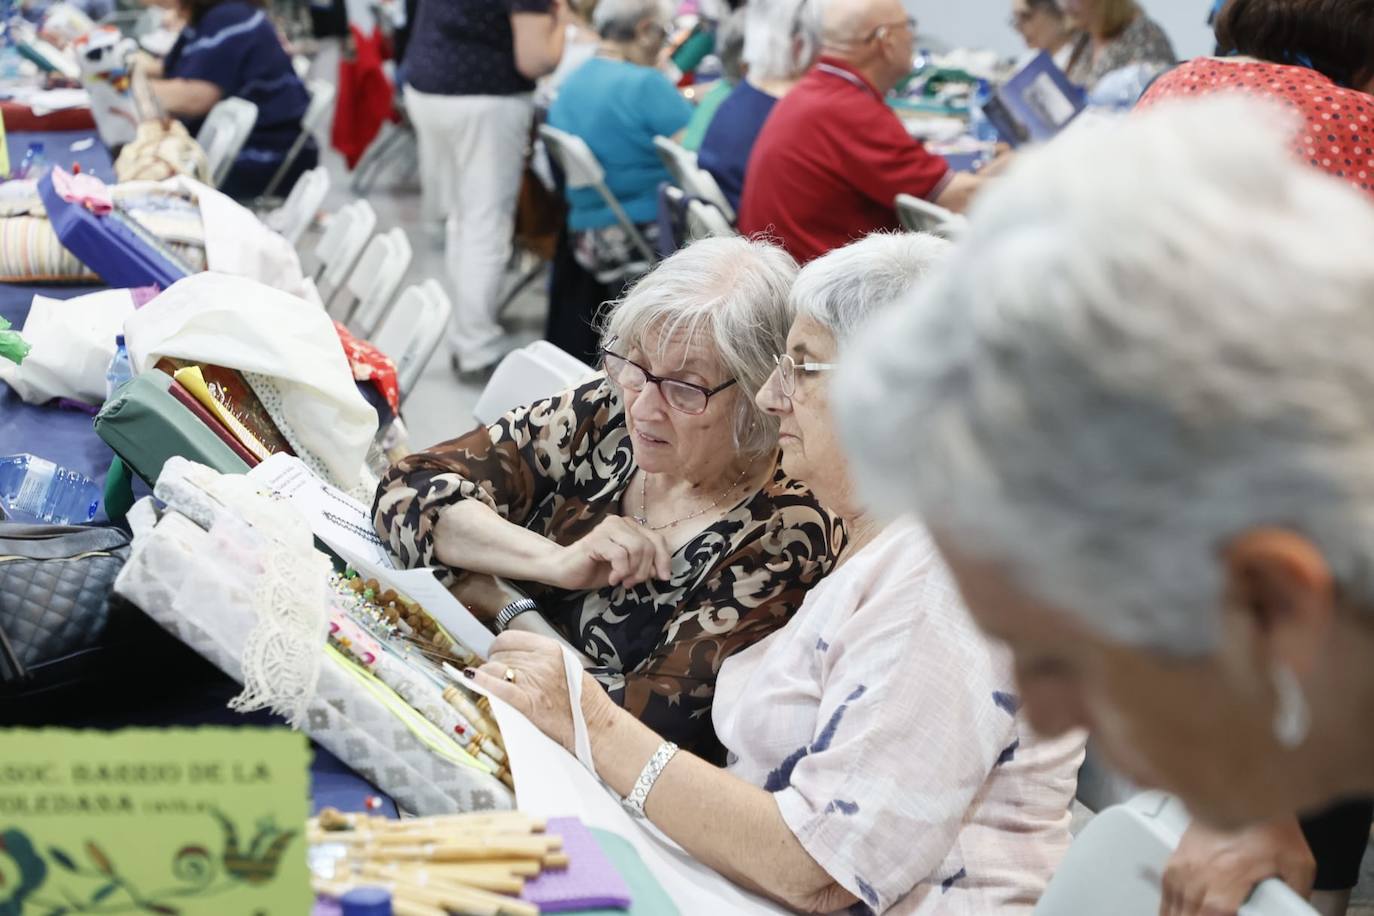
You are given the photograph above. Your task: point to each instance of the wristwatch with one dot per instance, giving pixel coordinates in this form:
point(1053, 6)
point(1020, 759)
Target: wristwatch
point(512, 611)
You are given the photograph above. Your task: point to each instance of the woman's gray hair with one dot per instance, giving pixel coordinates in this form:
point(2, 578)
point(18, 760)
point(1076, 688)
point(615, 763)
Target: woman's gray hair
point(730, 294)
point(781, 38)
point(1155, 337)
point(617, 20)
point(841, 290)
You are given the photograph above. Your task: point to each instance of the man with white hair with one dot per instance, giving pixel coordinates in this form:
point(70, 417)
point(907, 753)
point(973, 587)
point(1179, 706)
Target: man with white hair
point(832, 157)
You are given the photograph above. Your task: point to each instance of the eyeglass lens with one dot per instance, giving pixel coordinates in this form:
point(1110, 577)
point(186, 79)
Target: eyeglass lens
point(679, 395)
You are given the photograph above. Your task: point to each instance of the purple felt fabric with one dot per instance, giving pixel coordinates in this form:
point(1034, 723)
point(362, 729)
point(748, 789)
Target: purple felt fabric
point(589, 882)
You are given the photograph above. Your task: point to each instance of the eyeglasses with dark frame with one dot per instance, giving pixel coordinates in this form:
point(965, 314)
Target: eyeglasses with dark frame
point(684, 397)
point(788, 368)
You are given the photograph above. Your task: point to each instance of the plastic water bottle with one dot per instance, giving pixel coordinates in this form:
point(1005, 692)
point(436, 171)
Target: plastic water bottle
point(33, 489)
point(120, 370)
point(34, 163)
point(979, 125)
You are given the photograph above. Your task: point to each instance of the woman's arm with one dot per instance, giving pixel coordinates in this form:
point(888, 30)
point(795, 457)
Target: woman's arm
point(539, 39)
point(186, 98)
point(722, 821)
point(692, 801)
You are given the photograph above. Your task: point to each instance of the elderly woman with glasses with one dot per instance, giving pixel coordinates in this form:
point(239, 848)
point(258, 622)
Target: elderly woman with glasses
point(877, 755)
point(642, 518)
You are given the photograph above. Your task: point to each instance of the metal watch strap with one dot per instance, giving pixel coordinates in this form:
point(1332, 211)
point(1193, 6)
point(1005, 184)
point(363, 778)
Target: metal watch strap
point(634, 802)
point(512, 611)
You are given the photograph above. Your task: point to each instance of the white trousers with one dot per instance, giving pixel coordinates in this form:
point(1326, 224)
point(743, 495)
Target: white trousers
point(472, 156)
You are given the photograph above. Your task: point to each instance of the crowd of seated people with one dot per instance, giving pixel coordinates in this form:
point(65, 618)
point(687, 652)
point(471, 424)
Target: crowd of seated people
point(854, 638)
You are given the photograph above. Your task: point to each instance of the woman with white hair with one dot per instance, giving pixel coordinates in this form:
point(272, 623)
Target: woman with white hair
point(781, 40)
point(1149, 464)
point(876, 752)
point(617, 102)
point(643, 516)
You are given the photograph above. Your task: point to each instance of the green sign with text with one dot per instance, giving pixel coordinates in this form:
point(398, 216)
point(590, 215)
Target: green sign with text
point(171, 821)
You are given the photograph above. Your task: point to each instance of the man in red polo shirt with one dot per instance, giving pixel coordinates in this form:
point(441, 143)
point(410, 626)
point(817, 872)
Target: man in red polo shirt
point(832, 157)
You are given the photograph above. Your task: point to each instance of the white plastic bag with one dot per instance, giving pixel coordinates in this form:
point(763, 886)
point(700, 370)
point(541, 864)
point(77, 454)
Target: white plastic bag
point(73, 342)
point(239, 324)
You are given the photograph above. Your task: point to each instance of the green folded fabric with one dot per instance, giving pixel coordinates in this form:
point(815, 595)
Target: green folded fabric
point(648, 896)
point(145, 426)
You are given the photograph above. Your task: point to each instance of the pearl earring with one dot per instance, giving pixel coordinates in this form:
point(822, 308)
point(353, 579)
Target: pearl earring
point(1292, 718)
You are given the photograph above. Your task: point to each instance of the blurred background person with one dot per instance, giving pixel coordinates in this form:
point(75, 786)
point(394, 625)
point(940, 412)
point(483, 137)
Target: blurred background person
point(1044, 27)
point(1116, 34)
point(781, 40)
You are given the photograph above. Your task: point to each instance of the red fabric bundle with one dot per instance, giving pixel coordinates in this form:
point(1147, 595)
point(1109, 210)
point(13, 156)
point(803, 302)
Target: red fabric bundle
point(364, 98)
point(371, 365)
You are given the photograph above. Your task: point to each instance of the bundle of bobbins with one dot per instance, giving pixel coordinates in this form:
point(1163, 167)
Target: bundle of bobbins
point(458, 863)
point(398, 615)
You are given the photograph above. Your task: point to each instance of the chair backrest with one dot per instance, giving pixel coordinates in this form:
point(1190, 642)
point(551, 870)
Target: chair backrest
point(342, 255)
point(682, 164)
point(224, 133)
point(704, 221)
point(564, 362)
point(413, 330)
point(322, 94)
point(1116, 862)
point(525, 376)
point(581, 169)
point(376, 279)
point(917, 215)
point(298, 212)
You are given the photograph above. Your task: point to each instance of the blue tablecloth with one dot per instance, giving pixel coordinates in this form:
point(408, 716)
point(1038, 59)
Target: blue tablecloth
point(57, 147)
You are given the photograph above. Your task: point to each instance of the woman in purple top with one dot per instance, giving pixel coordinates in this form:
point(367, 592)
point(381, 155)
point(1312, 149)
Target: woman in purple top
point(470, 69)
point(781, 38)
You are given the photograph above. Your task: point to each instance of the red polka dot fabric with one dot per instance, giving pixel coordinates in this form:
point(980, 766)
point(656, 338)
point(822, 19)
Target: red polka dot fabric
point(1338, 136)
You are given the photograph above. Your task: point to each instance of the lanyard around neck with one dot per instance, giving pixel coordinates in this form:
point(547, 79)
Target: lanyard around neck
point(849, 78)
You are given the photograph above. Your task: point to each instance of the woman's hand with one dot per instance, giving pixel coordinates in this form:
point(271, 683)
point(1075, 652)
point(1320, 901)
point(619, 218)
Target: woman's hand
point(616, 552)
point(539, 690)
point(1212, 873)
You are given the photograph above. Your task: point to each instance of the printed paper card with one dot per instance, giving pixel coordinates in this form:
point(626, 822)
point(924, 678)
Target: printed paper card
point(171, 821)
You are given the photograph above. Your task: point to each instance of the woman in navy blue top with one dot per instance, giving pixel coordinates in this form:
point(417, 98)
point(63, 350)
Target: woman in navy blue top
point(230, 48)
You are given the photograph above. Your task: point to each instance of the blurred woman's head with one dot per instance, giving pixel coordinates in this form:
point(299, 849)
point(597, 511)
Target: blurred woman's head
point(1151, 466)
point(1101, 17)
point(781, 38)
point(1041, 23)
point(640, 27)
point(1334, 37)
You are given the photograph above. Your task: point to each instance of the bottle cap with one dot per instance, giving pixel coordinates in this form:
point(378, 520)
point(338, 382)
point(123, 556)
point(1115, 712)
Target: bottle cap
point(366, 901)
point(119, 340)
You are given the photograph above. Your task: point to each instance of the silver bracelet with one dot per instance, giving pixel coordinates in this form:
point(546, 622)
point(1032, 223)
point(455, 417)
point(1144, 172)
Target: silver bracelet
point(512, 611)
point(634, 802)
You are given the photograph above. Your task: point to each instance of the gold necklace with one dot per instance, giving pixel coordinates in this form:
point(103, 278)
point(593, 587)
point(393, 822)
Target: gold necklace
point(643, 520)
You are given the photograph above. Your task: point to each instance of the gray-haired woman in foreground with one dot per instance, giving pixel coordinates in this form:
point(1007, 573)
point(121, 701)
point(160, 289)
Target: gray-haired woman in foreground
point(1149, 458)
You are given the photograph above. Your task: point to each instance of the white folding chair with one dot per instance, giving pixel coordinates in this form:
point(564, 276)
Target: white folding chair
point(582, 170)
point(917, 215)
point(706, 222)
point(1116, 863)
point(376, 279)
point(316, 114)
point(681, 163)
point(224, 133)
point(525, 376)
point(341, 245)
point(413, 330)
point(295, 215)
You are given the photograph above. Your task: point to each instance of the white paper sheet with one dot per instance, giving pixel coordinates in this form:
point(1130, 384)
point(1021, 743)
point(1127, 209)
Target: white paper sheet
point(336, 518)
point(549, 782)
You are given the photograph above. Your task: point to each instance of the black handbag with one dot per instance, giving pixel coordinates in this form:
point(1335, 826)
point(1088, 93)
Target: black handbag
point(55, 595)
